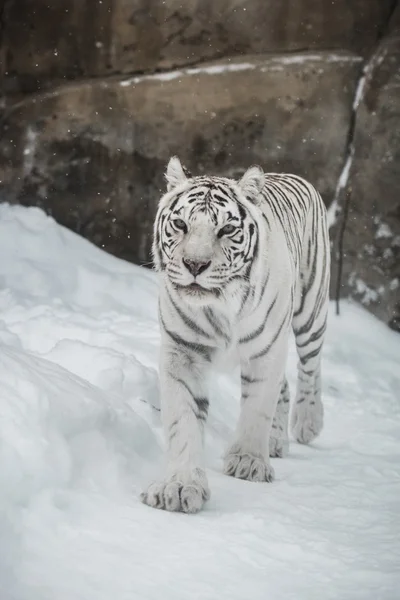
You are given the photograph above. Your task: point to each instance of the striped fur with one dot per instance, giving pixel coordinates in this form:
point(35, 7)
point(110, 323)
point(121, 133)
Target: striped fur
point(241, 263)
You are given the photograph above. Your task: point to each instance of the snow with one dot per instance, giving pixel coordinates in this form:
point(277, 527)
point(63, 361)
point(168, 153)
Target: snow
point(208, 70)
point(366, 293)
point(322, 57)
point(383, 231)
point(271, 63)
point(29, 151)
point(80, 437)
point(334, 208)
point(360, 91)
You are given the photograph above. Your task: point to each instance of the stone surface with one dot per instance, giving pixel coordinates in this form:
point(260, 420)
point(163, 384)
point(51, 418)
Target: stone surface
point(47, 41)
point(93, 154)
point(372, 235)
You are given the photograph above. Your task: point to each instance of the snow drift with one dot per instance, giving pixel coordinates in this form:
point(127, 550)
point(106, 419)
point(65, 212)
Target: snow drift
point(80, 436)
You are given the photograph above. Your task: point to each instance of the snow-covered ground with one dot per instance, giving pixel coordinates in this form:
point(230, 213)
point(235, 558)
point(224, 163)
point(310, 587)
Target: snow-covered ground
point(79, 438)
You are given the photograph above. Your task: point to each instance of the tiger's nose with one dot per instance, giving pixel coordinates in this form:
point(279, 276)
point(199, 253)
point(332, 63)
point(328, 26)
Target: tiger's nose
point(195, 267)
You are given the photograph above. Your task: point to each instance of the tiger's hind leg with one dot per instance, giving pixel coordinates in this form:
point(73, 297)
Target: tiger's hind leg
point(308, 413)
point(279, 440)
point(309, 324)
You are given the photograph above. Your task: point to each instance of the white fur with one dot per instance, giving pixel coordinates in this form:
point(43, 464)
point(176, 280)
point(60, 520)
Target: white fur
point(262, 427)
point(175, 174)
point(252, 183)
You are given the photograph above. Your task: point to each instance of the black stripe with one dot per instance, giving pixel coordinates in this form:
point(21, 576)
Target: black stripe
point(316, 310)
point(174, 202)
point(187, 320)
point(248, 380)
point(313, 354)
point(307, 287)
point(203, 405)
point(220, 198)
point(267, 222)
point(173, 430)
point(314, 337)
point(260, 329)
point(214, 323)
point(263, 289)
point(244, 299)
point(201, 402)
point(204, 351)
point(272, 342)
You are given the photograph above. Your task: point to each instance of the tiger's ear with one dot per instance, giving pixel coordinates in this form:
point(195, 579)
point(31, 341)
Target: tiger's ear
point(175, 174)
point(252, 183)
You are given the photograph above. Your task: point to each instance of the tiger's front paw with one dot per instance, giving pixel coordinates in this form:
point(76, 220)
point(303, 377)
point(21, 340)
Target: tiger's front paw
point(248, 466)
point(181, 493)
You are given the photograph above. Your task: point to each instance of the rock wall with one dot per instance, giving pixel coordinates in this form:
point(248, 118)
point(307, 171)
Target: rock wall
point(97, 95)
point(73, 39)
point(93, 153)
point(371, 240)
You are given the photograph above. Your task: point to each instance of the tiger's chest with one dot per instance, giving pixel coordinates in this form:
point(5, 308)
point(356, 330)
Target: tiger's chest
point(235, 336)
point(226, 330)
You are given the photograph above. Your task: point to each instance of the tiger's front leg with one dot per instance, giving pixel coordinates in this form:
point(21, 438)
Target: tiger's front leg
point(261, 376)
point(184, 407)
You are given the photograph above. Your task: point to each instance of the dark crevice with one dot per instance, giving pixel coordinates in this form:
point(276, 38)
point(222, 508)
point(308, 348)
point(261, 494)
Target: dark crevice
point(341, 231)
point(383, 29)
point(2, 23)
point(3, 11)
point(343, 189)
point(349, 145)
point(341, 206)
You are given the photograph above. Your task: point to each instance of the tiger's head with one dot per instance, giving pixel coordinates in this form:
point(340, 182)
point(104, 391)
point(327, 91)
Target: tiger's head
point(206, 232)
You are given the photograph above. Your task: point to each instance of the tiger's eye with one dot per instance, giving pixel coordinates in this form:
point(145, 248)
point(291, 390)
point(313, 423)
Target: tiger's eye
point(180, 224)
point(226, 230)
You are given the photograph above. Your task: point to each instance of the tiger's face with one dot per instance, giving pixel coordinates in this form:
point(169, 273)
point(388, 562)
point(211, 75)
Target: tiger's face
point(206, 232)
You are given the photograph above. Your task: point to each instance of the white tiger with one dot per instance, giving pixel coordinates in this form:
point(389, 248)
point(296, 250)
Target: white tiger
point(240, 263)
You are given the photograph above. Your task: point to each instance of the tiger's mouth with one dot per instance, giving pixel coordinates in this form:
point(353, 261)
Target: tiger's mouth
point(196, 287)
point(196, 290)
